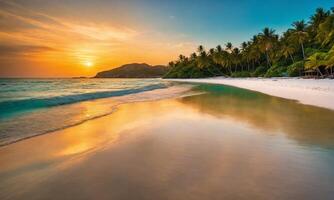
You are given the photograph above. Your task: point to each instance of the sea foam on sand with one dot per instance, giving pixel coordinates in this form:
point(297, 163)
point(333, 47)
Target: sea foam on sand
point(316, 92)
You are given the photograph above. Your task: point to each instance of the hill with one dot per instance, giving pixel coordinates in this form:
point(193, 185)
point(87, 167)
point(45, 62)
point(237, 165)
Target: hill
point(134, 70)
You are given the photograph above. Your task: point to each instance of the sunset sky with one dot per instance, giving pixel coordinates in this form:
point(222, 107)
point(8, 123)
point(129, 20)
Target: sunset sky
point(64, 38)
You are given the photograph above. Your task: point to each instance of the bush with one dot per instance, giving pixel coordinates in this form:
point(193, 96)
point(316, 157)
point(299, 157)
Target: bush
point(276, 71)
point(186, 71)
point(240, 74)
point(295, 69)
point(260, 71)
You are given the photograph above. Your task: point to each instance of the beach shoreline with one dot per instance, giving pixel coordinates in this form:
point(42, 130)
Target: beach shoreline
point(145, 146)
point(315, 92)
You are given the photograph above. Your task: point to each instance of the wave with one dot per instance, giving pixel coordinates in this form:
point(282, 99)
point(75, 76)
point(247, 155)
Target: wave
point(8, 108)
point(4, 141)
point(21, 127)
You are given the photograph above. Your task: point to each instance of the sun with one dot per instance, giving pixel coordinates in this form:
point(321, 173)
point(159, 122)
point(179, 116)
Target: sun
point(88, 63)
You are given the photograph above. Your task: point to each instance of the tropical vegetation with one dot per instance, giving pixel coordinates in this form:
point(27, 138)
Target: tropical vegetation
point(305, 47)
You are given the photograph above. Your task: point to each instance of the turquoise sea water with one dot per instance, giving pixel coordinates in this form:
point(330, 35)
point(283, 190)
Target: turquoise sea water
point(31, 107)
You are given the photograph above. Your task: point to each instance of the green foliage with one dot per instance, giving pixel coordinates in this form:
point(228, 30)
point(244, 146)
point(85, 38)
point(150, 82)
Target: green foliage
point(325, 33)
point(187, 71)
point(276, 71)
point(241, 74)
point(320, 58)
point(259, 72)
point(311, 51)
point(295, 69)
point(330, 58)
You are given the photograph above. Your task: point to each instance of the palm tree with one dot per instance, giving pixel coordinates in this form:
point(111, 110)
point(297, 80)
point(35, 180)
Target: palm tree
point(193, 56)
point(227, 60)
point(254, 50)
point(220, 57)
point(171, 64)
point(211, 51)
point(219, 49)
point(200, 49)
point(212, 62)
point(181, 57)
point(236, 58)
point(287, 50)
point(217, 56)
point(202, 57)
point(330, 60)
point(228, 56)
point(245, 53)
point(202, 60)
point(223, 58)
point(229, 47)
point(326, 31)
point(300, 35)
point(267, 40)
point(316, 19)
point(315, 61)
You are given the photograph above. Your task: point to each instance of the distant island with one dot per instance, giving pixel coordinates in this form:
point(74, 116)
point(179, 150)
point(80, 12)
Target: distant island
point(134, 70)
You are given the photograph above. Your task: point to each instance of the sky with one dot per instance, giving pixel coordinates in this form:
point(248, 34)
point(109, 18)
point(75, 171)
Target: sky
point(66, 38)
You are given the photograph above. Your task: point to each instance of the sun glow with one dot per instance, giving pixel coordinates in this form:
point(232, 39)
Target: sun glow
point(88, 63)
point(70, 47)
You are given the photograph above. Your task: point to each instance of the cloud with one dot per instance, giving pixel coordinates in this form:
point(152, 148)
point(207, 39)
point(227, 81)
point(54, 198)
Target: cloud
point(12, 24)
point(32, 35)
point(100, 32)
point(14, 50)
point(18, 11)
point(17, 19)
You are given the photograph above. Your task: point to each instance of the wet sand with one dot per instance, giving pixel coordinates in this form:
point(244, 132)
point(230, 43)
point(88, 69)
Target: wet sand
point(316, 92)
point(227, 143)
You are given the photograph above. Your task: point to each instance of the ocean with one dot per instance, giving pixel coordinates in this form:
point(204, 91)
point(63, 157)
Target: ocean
point(30, 107)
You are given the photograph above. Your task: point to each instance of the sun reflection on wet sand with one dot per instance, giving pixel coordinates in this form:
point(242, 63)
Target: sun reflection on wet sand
point(303, 123)
point(74, 140)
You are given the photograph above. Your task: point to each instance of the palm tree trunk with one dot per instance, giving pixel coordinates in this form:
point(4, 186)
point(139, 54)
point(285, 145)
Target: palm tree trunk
point(230, 69)
point(247, 64)
point(220, 72)
point(319, 72)
point(302, 45)
point(268, 61)
point(293, 61)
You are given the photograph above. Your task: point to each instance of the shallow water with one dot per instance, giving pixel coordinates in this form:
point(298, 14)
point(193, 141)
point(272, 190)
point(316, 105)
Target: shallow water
point(227, 143)
point(54, 104)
